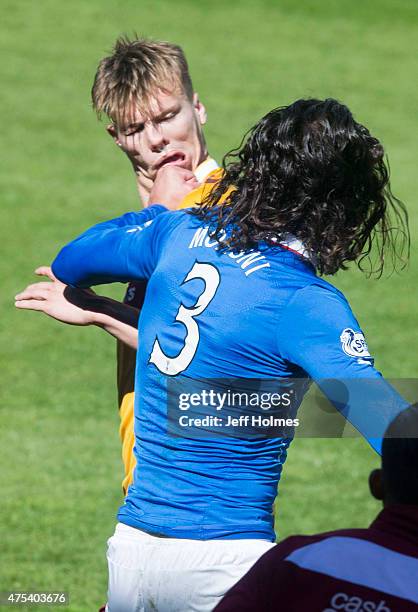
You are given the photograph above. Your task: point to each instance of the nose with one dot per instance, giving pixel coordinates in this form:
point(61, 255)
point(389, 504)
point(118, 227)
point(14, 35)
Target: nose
point(156, 138)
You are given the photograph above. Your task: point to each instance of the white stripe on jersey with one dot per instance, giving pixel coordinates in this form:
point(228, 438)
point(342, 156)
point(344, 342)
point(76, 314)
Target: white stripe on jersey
point(361, 562)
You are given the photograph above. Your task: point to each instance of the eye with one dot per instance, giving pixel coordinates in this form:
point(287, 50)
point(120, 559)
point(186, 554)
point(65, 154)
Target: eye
point(167, 117)
point(136, 129)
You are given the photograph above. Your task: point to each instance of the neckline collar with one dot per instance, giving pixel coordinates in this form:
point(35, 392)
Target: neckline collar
point(205, 168)
point(293, 244)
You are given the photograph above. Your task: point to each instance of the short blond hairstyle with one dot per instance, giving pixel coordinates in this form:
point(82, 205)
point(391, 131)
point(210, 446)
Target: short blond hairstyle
point(135, 71)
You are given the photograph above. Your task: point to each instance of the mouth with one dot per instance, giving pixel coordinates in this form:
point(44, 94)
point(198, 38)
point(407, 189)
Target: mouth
point(175, 158)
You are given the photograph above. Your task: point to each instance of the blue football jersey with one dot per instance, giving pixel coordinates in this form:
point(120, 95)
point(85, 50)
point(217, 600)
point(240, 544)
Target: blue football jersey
point(262, 314)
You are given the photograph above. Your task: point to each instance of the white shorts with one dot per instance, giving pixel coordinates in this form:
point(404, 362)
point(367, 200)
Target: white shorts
point(148, 573)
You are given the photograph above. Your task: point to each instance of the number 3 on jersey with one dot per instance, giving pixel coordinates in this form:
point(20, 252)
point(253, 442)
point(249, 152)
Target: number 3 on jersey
point(174, 365)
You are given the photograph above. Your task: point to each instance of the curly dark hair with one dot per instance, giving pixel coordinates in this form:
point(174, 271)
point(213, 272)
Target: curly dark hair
point(309, 169)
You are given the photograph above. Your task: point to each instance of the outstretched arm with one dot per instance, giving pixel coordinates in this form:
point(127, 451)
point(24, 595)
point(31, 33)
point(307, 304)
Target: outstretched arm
point(80, 307)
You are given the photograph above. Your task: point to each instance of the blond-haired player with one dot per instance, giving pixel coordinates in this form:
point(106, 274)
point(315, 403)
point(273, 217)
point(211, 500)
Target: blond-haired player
point(145, 88)
point(156, 118)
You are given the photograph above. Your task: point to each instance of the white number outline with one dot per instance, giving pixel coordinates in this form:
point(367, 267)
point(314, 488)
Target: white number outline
point(172, 366)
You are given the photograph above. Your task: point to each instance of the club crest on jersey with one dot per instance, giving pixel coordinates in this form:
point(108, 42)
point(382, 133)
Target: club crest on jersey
point(354, 343)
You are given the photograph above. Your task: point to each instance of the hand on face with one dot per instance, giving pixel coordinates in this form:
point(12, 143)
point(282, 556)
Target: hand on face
point(171, 186)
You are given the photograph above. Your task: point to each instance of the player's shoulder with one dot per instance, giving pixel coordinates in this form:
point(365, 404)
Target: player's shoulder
point(176, 218)
point(175, 226)
point(296, 270)
point(320, 292)
point(286, 549)
point(320, 286)
point(320, 305)
point(169, 219)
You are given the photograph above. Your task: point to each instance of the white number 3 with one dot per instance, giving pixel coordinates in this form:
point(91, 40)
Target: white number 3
point(174, 365)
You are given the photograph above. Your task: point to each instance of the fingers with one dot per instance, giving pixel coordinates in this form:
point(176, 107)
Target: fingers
point(31, 304)
point(36, 287)
point(193, 182)
point(187, 174)
point(190, 178)
point(46, 271)
point(36, 292)
point(171, 170)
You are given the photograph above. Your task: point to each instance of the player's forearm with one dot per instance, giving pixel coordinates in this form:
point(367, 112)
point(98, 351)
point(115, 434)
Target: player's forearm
point(122, 331)
point(98, 304)
point(118, 319)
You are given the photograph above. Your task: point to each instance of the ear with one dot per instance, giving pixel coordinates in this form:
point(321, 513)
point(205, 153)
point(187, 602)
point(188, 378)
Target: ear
point(113, 132)
point(200, 109)
point(376, 485)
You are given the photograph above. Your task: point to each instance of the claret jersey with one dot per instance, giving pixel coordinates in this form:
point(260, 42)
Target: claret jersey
point(260, 314)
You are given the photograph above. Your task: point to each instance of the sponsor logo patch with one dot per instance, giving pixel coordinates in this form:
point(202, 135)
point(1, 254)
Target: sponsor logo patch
point(354, 344)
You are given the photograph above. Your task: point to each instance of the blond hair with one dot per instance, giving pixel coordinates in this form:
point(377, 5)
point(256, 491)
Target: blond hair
point(135, 72)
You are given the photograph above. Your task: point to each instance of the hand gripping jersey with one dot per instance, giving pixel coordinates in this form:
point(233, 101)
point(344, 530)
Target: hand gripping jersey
point(260, 314)
point(208, 173)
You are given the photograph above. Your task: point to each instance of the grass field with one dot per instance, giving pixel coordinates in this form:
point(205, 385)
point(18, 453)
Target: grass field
point(59, 448)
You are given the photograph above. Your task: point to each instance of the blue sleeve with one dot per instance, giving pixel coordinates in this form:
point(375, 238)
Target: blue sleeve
point(319, 333)
point(119, 250)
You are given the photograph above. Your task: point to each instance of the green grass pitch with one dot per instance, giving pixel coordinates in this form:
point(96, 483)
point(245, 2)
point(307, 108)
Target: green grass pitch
point(60, 173)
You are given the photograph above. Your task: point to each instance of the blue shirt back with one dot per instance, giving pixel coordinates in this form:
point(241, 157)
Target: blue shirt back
point(257, 315)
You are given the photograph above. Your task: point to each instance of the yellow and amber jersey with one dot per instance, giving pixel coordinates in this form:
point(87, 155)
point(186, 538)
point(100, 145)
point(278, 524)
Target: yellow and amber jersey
point(208, 174)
